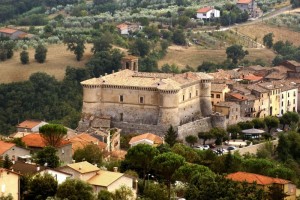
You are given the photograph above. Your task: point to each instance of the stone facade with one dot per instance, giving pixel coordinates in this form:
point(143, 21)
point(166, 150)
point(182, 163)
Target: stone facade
point(146, 102)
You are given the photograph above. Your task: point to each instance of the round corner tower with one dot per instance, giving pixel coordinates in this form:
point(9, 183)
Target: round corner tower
point(205, 97)
point(91, 95)
point(168, 106)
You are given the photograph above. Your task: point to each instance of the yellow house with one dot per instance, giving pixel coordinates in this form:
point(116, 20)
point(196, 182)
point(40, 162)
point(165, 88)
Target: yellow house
point(274, 91)
point(265, 182)
point(218, 92)
point(261, 105)
point(10, 183)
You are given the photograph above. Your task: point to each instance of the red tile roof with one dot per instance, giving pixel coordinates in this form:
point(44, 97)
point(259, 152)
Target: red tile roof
point(28, 124)
point(204, 9)
point(36, 140)
point(238, 96)
point(5, 146)
point(259, 179)
point(8, 30)
point(244, 1)
point(252, 77)
point(122, 26)
point(83, 139)
point(147, 136)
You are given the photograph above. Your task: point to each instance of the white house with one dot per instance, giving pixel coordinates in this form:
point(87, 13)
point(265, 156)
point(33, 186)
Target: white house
point(208, 13)
point(58, 175)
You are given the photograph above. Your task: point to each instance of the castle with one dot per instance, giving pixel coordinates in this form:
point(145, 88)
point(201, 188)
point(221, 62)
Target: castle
point(145, 102)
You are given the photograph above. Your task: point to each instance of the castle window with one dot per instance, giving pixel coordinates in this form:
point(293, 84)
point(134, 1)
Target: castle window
point(218, 96)
point(190, 95)
point(288, 94)
point(121, 98)
point(182, 97)
point(196, 92)
point(212, 95)
point(121, 116)
point(141, 99)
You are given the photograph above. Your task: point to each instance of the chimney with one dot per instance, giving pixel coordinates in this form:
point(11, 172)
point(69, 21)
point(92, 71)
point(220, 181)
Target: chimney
point(115, 169)
point(113, 71)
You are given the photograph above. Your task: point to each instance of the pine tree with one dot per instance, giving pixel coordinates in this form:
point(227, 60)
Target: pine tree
point(7, 162)
point(171, 136)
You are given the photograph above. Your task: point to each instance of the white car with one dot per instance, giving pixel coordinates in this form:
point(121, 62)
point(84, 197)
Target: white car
point(199, 147)
point(205, 147)
point(278, 130)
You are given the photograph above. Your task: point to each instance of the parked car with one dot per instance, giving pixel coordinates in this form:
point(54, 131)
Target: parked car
point(199, 147)
point(231, 148)
point(205, 147)
point(278, 130)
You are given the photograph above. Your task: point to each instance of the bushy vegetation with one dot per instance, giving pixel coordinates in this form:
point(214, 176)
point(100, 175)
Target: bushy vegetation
point(291, 21)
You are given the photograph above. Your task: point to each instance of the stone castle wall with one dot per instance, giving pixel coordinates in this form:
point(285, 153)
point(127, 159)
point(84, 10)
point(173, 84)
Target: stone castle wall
point(141, 128)
point(193, 128)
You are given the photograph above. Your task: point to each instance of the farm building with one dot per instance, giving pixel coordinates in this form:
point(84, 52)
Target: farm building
point(208, 13)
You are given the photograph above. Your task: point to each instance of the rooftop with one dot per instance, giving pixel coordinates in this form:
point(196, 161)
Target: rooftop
point(81, 140)
point(257, 88)
point(36, 140)
point(83, 167)
point(26, 168)
point(8, 30)
point(29, 124)
point(144, 79)
point(252, 77)
point(244, 1)
point(147, 136)
point(104, 178)
point(218, 87)
point(259, 179)
point(5, 146)
point(227, 104)
point(204, 9)
point(238, 96)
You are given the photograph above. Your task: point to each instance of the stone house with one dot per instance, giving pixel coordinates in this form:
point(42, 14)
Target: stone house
point(35, 143)
point(13, 151)
point(208, 13)
point(249, 6)
point(10, 183)
point(218, 92)
point(229, 109)
point(99, 179)
point(146, 138)
point(31, 126)
point(127, 27)
point(11, 33)
point(264, 182)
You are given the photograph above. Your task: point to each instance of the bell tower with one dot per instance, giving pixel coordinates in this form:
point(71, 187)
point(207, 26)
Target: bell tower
point(130, 62)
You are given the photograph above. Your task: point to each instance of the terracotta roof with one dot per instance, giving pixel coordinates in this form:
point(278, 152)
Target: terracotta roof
point(122, 26)
point(204, 9)
point(293, 62)
point(147, 136)
point(258, 68)
point(19, 134)
point(244, 1)
point(238, 96)
point(252, 77)
point(83, 139)
point(26, 168)
point(5, 146)
point(251, 178)
point(28, 124)
point(257, 88)
point(104, 178)
point(150, 80)
point(276, 76)
point(8, 30)
point(36, 140)
point(82, 167)
point(218, 87)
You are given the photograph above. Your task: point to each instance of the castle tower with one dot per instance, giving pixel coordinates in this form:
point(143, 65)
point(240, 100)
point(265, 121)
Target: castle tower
point(130, 62)
point(205, 97)
point(169, 102)
point(91, 95)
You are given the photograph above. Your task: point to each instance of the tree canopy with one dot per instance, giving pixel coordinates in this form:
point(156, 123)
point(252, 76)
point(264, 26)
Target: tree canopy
point(53, 134)
point(90, 153)
point(236, 53)
point(74, 189)
point(48, 155)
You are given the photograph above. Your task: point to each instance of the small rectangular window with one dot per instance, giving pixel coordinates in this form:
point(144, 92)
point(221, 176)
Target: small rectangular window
point(218, 96)
point(141, 99)
point(121, 98)
point(196, 93)
point(212, 95)
point(121, 116)
point(182, 97)
point(190, 95)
